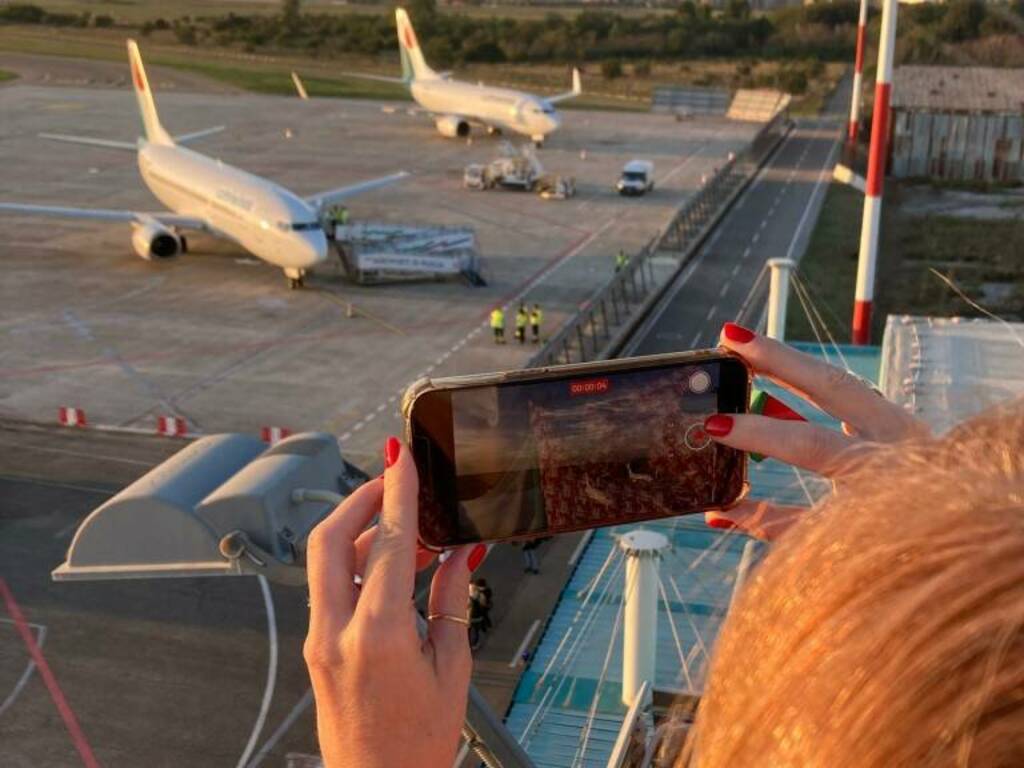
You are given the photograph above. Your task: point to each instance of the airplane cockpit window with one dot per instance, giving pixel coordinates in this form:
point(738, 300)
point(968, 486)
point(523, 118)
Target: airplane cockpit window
point(301, 226)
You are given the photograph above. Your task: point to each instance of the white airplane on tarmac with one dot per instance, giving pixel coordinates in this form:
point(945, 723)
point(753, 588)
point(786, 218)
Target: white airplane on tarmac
point(454, 104)
point(207, 195)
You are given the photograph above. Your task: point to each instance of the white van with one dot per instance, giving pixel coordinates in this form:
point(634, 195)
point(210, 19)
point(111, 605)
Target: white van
point(637, 178)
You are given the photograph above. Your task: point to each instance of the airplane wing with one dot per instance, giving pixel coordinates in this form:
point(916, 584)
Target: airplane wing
point(322, 200)
point(577, 89)
point(107, 214)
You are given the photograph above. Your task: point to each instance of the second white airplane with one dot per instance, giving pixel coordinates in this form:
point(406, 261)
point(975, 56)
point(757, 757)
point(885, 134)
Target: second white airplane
point(204, 194)
point(455, 104)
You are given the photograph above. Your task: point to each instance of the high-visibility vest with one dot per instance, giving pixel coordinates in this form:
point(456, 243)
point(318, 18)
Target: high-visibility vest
point(521, 318)
point(497, 319)
point(621, 260)
point(536, 316)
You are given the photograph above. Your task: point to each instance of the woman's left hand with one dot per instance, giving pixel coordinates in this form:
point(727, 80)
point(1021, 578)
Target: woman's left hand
point(385, 696)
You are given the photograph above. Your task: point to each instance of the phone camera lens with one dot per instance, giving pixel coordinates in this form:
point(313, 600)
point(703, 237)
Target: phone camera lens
point(700, 382)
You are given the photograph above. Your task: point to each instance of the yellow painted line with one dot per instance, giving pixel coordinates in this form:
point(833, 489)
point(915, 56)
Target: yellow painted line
point(351, 310)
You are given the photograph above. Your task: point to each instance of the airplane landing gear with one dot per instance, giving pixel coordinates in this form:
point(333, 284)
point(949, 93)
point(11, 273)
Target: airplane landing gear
point(296, 278)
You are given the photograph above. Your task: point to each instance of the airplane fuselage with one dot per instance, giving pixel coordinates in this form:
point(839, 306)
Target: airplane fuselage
point(261, 216)
point(500, 107)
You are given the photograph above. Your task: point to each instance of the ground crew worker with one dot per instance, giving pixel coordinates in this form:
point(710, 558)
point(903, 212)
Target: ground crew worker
point(536, 316)
point(621, 261)
point(498, 325)
point(522, 317)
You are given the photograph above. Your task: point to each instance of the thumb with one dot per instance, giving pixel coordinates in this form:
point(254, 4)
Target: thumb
point(449, 596)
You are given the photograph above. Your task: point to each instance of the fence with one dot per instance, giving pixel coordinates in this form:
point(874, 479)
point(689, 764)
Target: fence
point(605, 320)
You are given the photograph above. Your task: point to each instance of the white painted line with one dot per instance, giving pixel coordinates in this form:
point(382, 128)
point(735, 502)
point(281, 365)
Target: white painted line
point(370, 417)
point(764, 223)
point(517, 659)
point(29, 666)
point(825, 174)
point(345, 437)
point(392, 398)
point(358, 426)
point(696, 339)
point(381, 407)
point(581, 546)
point(283, 728)
point(736, 270)
point(711, 312)
point(746, 252)
point(725, 289)
point(756, 237)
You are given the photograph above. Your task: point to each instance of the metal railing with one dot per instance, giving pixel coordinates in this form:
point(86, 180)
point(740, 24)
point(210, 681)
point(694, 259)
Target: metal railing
point(598, 329)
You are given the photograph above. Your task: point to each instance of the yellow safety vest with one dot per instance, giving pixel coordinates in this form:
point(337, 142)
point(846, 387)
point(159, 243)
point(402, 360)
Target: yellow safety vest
point(520, 319)
point(497, 319)
point(536, 316)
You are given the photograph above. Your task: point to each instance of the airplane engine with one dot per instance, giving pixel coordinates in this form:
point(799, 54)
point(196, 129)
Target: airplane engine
point(153, 242)
point(452, 127)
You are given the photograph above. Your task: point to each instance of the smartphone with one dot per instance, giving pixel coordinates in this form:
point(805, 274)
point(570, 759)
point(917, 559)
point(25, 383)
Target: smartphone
point(532, 453)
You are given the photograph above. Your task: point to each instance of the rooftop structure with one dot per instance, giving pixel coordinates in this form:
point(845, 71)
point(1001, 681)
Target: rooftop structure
point(567, 710)
point(947, 369)
point(959, 89)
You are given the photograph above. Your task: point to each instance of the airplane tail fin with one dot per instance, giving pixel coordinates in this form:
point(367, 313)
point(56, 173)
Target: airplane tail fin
point(151, 121)
point(414, 66)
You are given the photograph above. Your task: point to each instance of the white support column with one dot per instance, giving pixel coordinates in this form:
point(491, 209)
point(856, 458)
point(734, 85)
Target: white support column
point(876, 177)
point(858, 73)
point(778, 296)
point(643, 550)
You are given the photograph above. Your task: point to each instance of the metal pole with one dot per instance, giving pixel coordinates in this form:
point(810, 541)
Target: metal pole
point(858, 73)
point(640, 629)
point(876, 177)
point(778, 296)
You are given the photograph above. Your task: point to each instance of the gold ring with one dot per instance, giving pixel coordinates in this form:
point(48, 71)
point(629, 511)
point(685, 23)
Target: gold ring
point(448, 617)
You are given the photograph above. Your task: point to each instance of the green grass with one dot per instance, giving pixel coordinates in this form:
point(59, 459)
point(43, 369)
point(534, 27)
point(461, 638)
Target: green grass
point(5, 75)
point(969, 252)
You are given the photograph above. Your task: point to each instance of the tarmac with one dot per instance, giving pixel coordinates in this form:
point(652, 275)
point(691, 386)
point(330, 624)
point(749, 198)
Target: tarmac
point(216, 337)
point(171, 672)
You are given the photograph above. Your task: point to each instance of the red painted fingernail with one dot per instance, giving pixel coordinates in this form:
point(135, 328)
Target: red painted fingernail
point(721, 523)
point(392, 450)
point(476, 557)
point(718, 425)
point(737, 333)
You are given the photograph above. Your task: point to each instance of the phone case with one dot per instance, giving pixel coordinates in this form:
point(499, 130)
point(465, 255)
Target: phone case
point(561, 491)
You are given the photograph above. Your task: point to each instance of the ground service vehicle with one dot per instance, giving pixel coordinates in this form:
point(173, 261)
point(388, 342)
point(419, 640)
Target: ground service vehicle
point(637, 178)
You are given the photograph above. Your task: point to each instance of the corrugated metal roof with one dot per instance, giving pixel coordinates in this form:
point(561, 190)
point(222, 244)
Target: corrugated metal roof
point(947, 369)
point(563, 681)
point(958, 89)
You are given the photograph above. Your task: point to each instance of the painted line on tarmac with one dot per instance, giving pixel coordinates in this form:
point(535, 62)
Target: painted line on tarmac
point(30, 666)
point(517, 659)
point(584, 540)
point(286, 724)
point(59, 700)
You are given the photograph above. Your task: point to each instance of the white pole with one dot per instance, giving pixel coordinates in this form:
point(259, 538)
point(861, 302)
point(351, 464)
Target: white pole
point(858, 73)
point(778, 296)
point(640, 632)
point(876, 177)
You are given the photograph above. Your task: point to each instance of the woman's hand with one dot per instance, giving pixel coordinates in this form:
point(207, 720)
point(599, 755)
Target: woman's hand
point(868, 421)
point(385, 696)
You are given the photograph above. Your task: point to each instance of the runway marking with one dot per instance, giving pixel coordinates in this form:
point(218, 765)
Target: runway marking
point(285, 726)
point(764, 223)
point(518, 657)
point(66, 452)
point(66, 713)
point(30, 666)
point(725, 289)
point(756, 237)
point(580, 546)
point(696, 339)
point(746, 252)
point(736, 270)
point(360, 312)
point(711, 313)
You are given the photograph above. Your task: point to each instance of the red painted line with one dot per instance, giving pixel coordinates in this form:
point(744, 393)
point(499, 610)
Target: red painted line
point(851, 131)
point(879, 139)
point(70, 721)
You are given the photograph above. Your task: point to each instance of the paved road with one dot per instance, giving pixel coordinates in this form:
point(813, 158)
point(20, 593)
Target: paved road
point(774, 217)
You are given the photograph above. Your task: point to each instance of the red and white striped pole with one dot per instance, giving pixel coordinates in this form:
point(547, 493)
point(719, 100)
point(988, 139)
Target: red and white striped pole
point(876, 177)
point(858, 72)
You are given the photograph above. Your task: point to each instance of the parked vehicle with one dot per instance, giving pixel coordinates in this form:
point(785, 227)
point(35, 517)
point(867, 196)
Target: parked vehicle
point(637, 178)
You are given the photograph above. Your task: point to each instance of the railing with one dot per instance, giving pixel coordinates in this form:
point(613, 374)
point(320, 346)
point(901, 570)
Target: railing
point(599, 328)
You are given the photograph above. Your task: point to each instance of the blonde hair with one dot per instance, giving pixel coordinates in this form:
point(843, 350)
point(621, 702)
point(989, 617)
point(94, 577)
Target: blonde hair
point(887, 628)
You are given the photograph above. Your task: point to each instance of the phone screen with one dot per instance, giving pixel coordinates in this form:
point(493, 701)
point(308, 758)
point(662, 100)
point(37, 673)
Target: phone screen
point(560, 454)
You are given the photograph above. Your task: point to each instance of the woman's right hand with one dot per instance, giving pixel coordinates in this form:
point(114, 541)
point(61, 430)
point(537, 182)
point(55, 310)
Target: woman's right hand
point(868, 419)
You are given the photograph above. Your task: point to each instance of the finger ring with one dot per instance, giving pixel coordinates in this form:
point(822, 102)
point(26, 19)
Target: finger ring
point(449, 617)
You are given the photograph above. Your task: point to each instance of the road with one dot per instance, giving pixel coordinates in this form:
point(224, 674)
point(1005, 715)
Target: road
point(774, 217)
